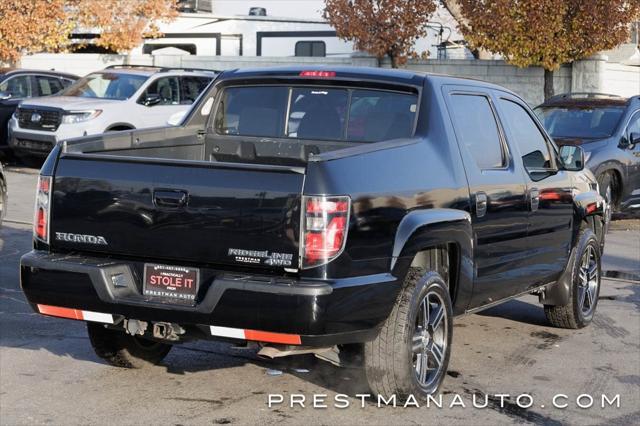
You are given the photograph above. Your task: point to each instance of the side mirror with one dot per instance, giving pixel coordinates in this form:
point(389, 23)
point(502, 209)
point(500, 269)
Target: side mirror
point(5, 95)
point(572, 157)
point(151, 100)
point(634, 138)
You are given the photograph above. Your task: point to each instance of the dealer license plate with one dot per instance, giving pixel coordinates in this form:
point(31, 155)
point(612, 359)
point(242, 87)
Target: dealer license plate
point(177, 283)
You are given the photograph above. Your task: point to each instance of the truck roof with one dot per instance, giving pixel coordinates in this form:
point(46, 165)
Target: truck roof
point(386, 75)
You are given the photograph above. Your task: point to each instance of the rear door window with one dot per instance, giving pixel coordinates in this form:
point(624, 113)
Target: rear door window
point(476, 127)
point(316, 113)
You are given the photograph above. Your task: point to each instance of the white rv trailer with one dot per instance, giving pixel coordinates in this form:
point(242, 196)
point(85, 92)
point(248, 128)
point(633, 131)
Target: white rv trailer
point(207, 34)
point(224, 33)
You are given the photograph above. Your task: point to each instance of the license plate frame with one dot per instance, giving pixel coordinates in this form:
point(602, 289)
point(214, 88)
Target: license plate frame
point(171, 283)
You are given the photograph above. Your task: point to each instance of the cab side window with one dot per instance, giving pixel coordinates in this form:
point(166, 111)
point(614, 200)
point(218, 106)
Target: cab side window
point(476, 128)
point(524, 132)
point(634, 125)
point(18, 86)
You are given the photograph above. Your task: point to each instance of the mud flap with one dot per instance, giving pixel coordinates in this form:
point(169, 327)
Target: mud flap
point(559, 293)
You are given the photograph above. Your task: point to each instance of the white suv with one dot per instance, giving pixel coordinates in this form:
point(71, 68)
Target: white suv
point(117, 98)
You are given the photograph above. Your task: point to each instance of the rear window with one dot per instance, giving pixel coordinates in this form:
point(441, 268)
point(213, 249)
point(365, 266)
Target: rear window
point(317, 113)
point(575, 122)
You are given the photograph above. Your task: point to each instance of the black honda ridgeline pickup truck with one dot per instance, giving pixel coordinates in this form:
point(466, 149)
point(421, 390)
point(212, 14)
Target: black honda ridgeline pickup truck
point(349, 212)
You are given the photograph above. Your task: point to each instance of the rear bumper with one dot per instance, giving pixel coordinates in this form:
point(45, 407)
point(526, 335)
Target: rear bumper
point(229, 305)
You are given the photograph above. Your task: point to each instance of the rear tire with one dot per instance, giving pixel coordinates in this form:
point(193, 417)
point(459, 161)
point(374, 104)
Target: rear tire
point(585, 286)
point(394, 360)
point(123, 350)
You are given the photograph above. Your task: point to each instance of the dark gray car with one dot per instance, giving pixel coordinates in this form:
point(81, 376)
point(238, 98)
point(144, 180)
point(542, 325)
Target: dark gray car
point(608, 129)
point(19, 84)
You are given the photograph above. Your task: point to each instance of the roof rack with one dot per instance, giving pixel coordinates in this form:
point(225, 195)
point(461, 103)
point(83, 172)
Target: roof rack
point(166, 69)
point(585, 95)
point(162, 69)
point(110, 67)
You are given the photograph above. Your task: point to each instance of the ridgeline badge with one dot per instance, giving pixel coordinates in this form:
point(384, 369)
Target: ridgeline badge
point(261, 257)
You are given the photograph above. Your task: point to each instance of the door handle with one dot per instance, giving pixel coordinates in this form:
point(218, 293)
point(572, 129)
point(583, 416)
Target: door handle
point(534, 198)
point(481, 204)
point(174, 199)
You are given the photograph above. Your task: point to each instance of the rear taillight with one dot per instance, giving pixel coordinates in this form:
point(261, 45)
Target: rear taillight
point(43, 205)
point(325, 221)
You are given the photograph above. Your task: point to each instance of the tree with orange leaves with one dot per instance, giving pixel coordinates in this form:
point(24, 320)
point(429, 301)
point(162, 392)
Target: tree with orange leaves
point(381, 27)
point(31, 26)
point(123, 24)
point(547, 33)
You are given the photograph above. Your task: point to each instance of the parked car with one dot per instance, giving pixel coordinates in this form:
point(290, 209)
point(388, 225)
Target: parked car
point(607, 127)
point(19, 84)
point(356, 237)
point(117, 98)
point(3, 195)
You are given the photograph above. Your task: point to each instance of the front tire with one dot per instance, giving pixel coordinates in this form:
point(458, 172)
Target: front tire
point(123, 350)
point(411, 353)
point(606, 185)
point(585, 286)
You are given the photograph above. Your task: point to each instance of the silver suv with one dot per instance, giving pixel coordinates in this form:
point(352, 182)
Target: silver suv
point(116, 98)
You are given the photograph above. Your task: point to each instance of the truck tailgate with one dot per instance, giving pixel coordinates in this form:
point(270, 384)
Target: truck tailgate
point(178, 211)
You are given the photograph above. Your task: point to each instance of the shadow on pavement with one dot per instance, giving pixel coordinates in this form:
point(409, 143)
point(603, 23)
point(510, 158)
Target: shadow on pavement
point(517, 310)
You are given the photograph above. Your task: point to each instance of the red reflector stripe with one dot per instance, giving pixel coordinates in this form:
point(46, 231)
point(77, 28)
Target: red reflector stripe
point(56, 311)
point(265, 336)
point(77, 314)
point(260, 336)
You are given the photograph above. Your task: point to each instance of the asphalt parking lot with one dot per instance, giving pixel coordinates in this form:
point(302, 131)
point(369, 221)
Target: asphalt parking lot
point(50, 375)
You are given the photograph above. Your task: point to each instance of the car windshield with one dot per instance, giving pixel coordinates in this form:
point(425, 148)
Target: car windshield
point(106, 85)
point(580, 122)
point(317, 113)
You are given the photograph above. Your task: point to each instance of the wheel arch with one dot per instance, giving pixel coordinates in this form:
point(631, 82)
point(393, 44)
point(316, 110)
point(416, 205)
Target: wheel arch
point(120, 126)
point(420, 238)
point(559, 293)
point(589, 207)
point(615, 169)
